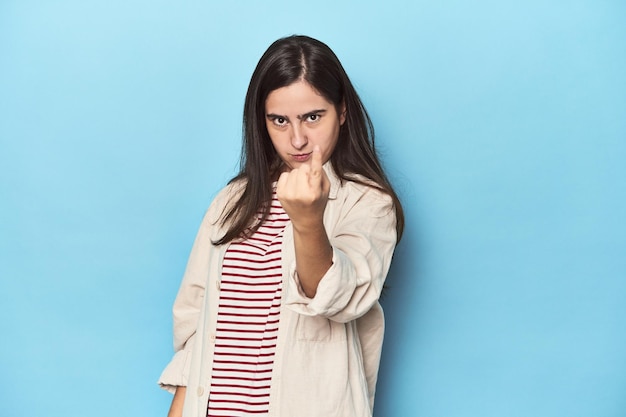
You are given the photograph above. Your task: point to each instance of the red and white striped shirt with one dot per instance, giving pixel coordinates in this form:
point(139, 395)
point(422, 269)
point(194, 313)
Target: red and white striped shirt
point(247, 321)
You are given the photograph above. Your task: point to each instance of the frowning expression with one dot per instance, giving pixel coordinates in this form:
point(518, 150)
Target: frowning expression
point(298, 118)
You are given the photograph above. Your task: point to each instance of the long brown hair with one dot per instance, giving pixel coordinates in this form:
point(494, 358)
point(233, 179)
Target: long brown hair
point(286, 61)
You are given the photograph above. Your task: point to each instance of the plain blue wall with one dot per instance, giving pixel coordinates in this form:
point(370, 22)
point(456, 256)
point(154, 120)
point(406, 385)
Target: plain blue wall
point(503, 125)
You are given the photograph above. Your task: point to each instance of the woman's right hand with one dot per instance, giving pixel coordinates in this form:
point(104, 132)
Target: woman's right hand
point(176, 409)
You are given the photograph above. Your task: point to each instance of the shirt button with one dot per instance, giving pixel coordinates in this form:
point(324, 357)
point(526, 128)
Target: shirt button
point(200, 391)
point(212, 337)
point(217, 285)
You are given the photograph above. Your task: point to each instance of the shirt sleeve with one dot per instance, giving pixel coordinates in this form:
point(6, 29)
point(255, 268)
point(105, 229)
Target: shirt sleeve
point(176, 373)
point(363, 242)
point(190, 298)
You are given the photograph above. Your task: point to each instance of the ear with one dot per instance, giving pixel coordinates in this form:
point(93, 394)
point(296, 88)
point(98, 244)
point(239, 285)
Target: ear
point(342, 113)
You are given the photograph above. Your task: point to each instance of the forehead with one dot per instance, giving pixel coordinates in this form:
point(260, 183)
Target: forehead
point(295, 98)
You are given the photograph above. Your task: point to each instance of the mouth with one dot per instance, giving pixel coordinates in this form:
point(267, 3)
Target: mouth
point(301, 157)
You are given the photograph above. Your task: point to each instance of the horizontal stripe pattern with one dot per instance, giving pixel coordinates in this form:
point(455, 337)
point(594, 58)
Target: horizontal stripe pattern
point(247, 321)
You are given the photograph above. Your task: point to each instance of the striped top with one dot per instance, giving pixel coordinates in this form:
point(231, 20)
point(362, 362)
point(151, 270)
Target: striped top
point(247, 321)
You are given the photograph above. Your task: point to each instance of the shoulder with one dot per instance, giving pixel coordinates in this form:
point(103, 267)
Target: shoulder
point(354, 187)
point(225, 198)
point(362, 193)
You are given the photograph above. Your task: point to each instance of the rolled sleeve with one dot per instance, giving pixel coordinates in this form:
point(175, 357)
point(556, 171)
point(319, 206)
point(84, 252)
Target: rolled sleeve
point(333, 291)
point(176, 373)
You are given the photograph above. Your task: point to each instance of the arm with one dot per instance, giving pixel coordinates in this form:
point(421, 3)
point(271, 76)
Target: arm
point(361, 227)
point(176, 409)
point(314, 256)
point(303, 193)
point(190, 299)
point(186, 312)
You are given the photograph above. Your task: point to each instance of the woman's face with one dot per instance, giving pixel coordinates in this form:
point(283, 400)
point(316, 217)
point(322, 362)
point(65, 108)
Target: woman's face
point(298, 118)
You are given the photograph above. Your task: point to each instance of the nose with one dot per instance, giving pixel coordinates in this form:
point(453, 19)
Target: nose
point(298, 137)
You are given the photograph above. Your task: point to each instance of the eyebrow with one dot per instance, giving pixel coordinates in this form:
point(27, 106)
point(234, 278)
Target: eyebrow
point(300, 116)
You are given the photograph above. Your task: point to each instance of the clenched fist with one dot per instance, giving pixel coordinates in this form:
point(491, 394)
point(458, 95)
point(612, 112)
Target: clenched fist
point(303, 192)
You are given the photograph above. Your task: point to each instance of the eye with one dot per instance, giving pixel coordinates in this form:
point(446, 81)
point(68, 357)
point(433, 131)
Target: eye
point(313, 117)
point(279, 121)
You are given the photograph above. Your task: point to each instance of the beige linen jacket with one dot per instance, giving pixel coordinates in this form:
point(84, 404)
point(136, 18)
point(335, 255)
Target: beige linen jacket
point(328, 347)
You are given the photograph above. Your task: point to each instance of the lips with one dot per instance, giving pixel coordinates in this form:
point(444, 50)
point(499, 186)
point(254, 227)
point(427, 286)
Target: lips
point(301, 157)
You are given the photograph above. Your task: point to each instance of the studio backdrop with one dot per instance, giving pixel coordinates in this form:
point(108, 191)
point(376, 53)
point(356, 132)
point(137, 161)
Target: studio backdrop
point(502, 126)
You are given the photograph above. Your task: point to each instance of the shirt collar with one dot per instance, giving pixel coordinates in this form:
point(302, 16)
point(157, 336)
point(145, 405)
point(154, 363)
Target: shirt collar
point(335, 181)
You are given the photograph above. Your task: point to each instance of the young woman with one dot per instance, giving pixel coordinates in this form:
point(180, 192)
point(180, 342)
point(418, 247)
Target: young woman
point(278, 313)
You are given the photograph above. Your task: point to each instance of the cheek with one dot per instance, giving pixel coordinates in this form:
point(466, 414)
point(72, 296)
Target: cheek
point(334, 135)
point(330, 142)
point(277, 138)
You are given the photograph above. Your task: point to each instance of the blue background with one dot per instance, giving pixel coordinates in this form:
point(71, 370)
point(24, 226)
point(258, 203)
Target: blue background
point(502, 124)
